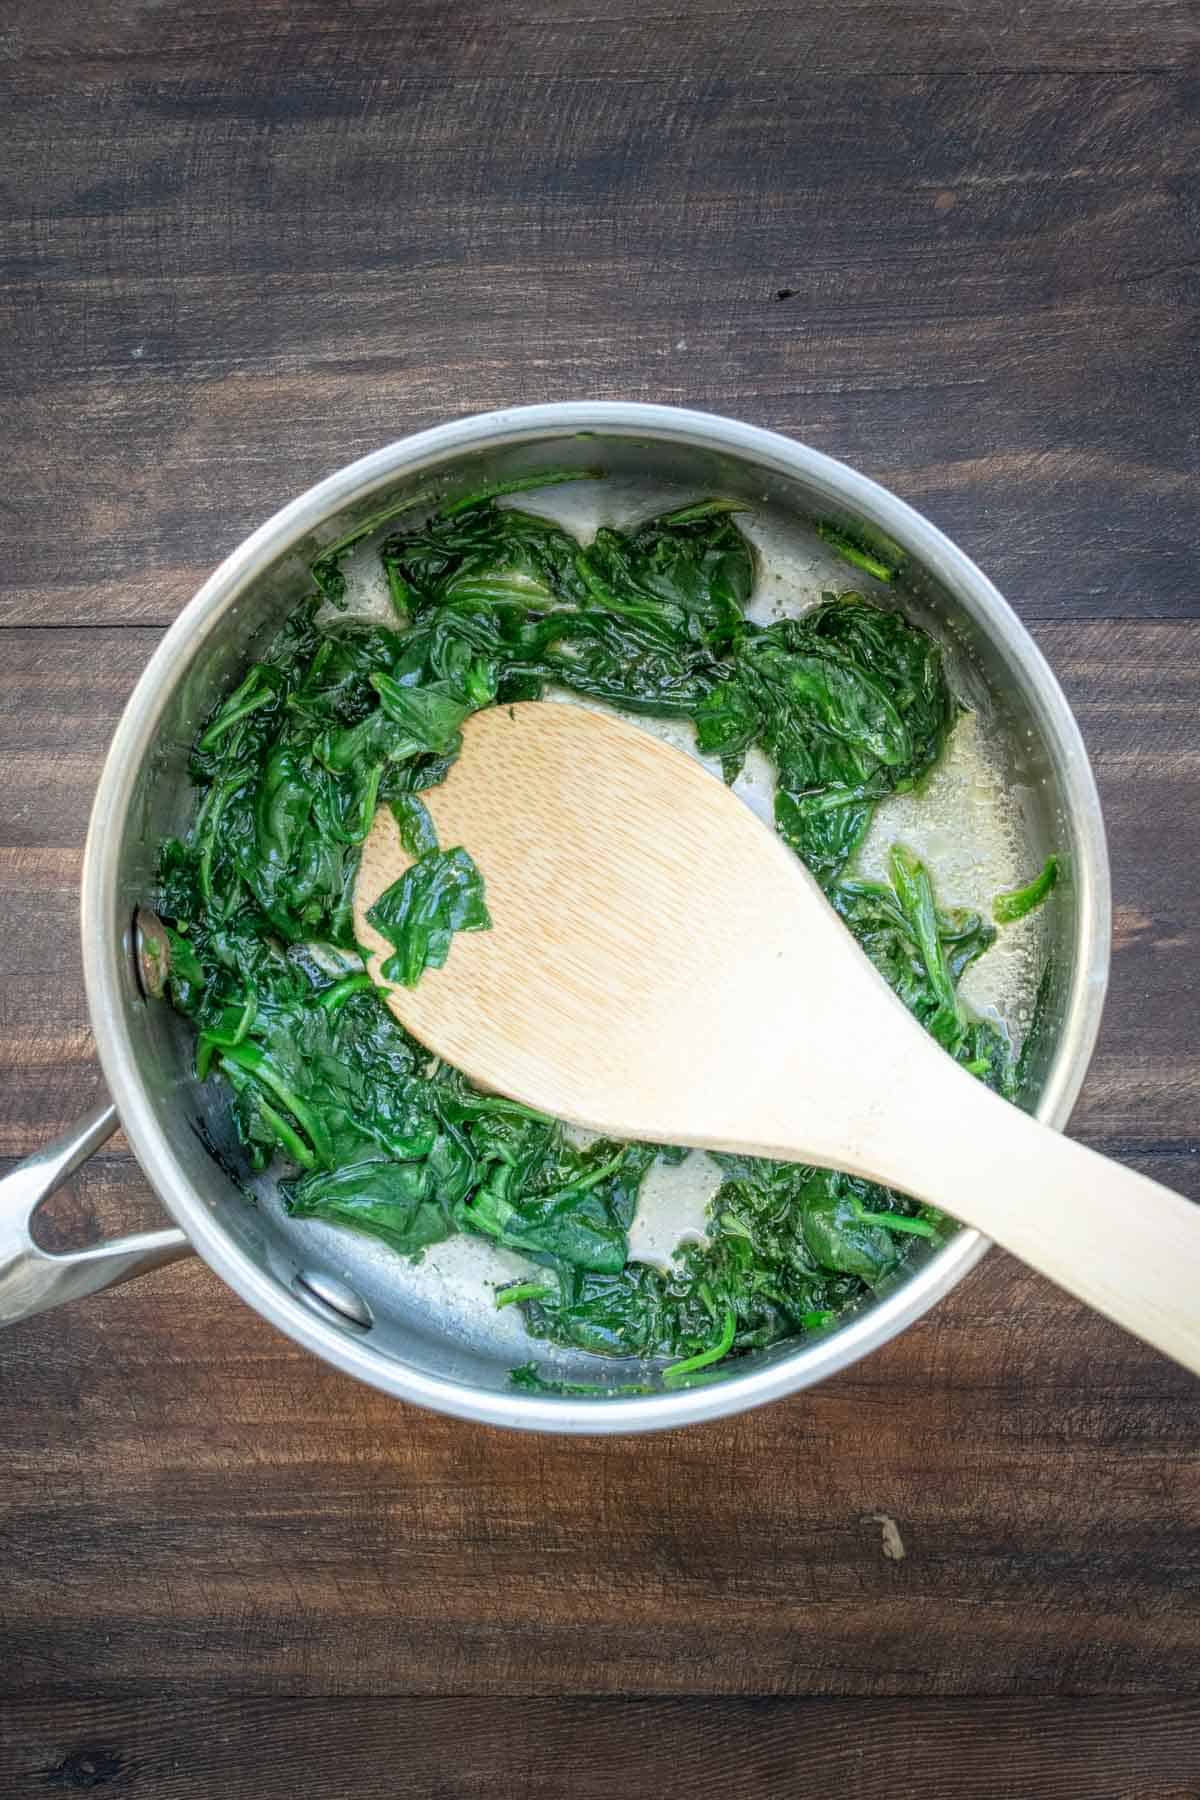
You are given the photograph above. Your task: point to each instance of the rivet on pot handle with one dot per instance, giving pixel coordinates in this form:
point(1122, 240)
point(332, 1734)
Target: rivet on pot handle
point(32, 1279)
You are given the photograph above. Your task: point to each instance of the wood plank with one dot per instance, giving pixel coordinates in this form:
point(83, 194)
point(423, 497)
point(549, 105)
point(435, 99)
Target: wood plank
point(997, 322)
point(201, 1507)
point(541, 38)
point(391, 1749)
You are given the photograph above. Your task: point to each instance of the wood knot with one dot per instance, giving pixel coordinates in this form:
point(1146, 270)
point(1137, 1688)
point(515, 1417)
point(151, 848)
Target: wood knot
point(87, 1768)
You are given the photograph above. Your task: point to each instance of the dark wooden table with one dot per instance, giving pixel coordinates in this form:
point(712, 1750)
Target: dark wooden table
point(242, 241)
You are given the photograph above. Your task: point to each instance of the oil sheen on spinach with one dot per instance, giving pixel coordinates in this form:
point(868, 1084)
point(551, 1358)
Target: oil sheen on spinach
point(339, 717)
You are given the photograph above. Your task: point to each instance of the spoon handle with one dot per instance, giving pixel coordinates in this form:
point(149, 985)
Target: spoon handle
point(1123, 1243)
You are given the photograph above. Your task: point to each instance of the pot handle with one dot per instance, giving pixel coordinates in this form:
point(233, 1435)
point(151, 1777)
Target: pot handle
point(32, 1279)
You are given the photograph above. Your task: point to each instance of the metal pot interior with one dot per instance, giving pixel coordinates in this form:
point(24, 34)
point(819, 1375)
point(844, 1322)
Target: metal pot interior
point(430, 1331)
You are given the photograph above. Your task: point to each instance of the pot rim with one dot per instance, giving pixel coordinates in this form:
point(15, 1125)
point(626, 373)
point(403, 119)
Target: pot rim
point(104, 960)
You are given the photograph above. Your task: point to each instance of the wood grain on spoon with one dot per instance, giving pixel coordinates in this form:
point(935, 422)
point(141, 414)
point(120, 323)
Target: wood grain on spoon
point(662, 967)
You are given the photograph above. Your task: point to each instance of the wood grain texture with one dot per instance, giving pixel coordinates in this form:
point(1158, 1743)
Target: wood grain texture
point(465, 39)
point(956, 245)
point(194, 1506)
point(470, 1750)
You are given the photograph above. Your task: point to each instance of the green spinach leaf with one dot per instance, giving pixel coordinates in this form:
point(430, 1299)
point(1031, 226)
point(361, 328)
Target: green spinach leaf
point(441, 893)
point(399, 1203)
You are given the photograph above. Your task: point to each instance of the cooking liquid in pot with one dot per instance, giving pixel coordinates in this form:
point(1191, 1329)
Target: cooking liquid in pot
point(965, 823)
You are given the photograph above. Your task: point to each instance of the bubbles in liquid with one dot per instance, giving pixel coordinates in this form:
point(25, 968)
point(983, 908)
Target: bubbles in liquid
point(964, 822)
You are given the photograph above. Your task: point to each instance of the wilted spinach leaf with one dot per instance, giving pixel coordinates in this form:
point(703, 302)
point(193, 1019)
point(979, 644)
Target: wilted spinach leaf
point(439, 894)
point(396, 1202)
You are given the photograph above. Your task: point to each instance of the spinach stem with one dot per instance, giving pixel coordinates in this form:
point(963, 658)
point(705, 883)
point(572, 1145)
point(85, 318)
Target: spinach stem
point(521, 1291)
point(1008, 908)
point(332, 999)
point(518, 485)
point(892, 1221)
point(701, 1360)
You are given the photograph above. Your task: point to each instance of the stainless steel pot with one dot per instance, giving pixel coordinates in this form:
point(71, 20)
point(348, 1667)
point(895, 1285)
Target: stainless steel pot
point(351, 1302)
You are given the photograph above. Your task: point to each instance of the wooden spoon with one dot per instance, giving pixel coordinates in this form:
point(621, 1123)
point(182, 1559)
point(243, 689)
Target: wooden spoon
point(662, 967)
